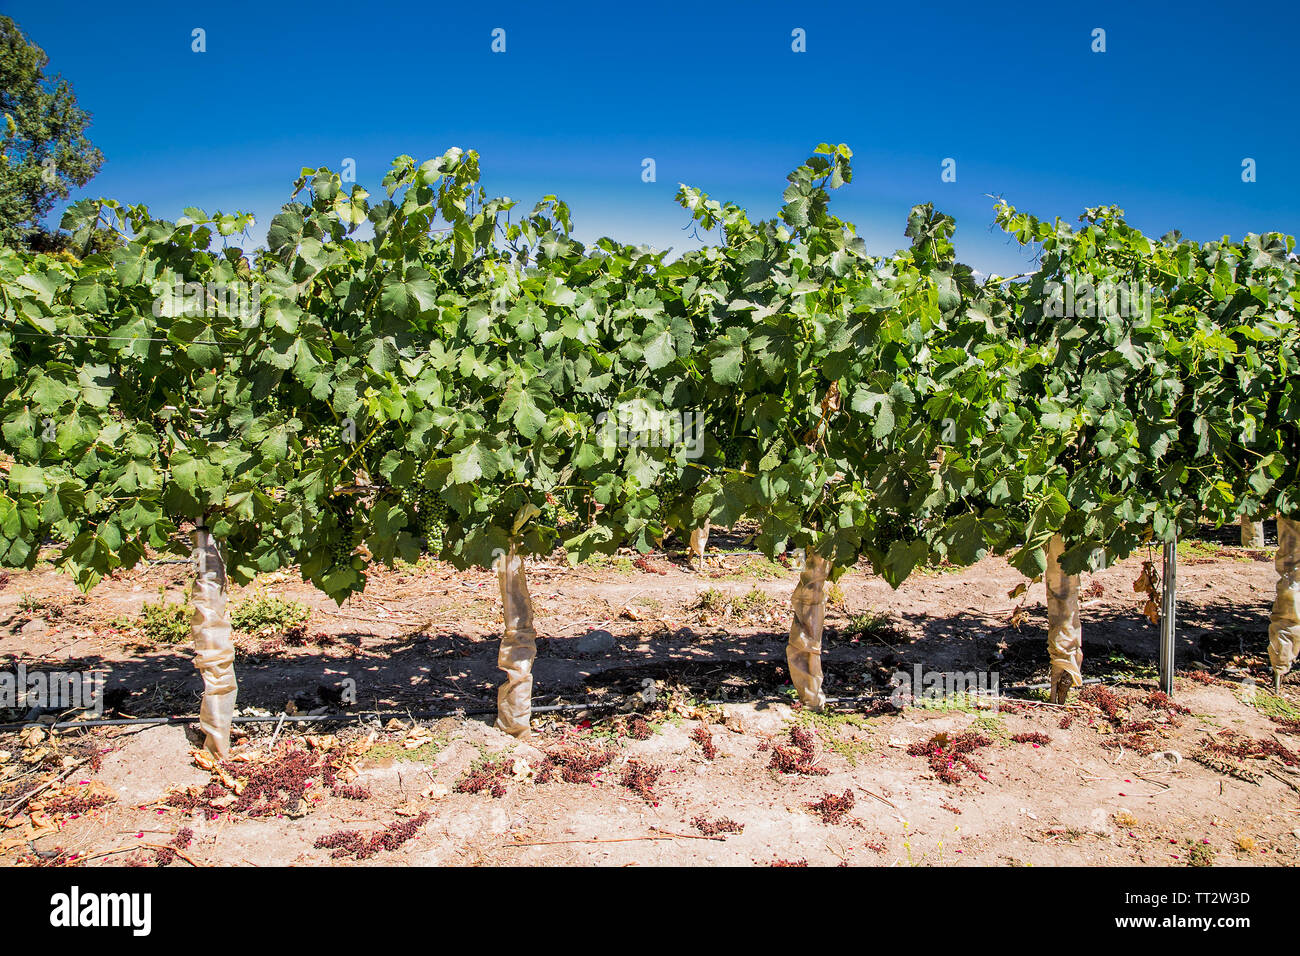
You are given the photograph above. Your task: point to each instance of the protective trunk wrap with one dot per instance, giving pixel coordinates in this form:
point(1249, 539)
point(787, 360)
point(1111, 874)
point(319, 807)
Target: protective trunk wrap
point(214, 650)
point(518, 648)
point(1064, 628)
point(1252, 533)
point(803, 653)
point(1284, 622)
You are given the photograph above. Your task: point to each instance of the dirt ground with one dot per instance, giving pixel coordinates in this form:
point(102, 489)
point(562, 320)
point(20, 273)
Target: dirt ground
point(692, 749)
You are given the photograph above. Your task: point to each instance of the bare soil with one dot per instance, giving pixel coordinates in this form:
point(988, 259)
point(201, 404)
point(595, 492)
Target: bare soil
point(1107, 780)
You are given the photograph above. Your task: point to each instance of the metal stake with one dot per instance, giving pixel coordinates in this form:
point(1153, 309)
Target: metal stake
point(1168, 602)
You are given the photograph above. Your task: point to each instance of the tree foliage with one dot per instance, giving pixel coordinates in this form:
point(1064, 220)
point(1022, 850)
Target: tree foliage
point(43, 146)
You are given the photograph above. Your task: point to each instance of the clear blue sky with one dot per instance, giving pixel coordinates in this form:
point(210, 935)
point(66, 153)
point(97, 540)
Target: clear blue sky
point(1159, 123)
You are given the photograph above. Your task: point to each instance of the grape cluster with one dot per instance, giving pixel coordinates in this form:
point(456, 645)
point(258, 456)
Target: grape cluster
point(892, 526)
point(431, 515)
point(330, 435)
point(558, 514)
point(670, 490)
point(733, 452)
point(341, 548)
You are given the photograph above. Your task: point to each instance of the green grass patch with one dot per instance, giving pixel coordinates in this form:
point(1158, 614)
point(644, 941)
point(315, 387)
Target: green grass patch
point(160, 621)
point(619, 563)
point(957, 703)
point(1123, 666)
point(867, 625)
point(395, 751)
point(840, 731)
point(1278, 708)
point(991, 725)
point(757, 567)
point(262, 612)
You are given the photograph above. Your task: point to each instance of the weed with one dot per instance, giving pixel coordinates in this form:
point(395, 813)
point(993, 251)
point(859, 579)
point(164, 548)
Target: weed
point(869, 625)
point(712, 600)
point(424, 753)
point(991, 726)
point(840, 731)
point(1199, 854)
point(1123, 667)
point(160, 622)
point(263, 613)
point(1274, 708)
point(970, 703)
point(757, 567)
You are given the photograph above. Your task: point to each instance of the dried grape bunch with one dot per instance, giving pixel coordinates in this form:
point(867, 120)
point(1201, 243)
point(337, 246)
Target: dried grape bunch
point(946, 754)
point(1114, 706)
point(1031, 738)
point(1159, 700)
point(702, 737)
point(800, 756)
point(641, 777)
point(1229, 743)
point(351, 843)
point(574, 764)
point(1149, 581)
point(714, 827)
point(351, 792)
point(833, 808)
point(1223, 765)
point(1135, 742)
point(74, 804)
point(166, 855)
point(489, 775)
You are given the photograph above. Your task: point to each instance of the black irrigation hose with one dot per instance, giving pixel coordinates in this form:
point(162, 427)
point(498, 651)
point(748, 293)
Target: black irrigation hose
point(428, 714)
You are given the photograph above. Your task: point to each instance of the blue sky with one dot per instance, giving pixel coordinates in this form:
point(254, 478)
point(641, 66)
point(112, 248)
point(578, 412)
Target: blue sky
point(712, 91)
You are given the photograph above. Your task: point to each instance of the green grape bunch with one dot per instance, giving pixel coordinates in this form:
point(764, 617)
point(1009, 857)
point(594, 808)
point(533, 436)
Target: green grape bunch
point(343, 545)
point(431, 516)
point(733, 451)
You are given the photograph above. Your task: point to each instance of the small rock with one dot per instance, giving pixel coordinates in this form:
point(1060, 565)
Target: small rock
point(596, 642)
point(34, 628)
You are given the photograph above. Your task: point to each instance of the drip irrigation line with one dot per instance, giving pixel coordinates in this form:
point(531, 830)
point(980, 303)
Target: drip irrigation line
point(363, 716)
